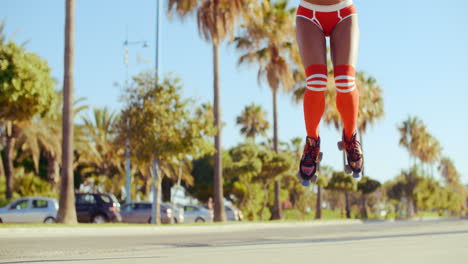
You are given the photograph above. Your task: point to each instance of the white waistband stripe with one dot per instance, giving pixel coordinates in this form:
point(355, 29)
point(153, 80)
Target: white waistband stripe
point(326, 8)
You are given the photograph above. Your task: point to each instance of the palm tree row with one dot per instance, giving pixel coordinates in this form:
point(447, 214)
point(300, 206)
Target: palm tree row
point(216, 20)
point(266, 38)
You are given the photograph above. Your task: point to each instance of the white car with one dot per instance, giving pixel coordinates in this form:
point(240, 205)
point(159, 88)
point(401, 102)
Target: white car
point(197, 214)
point(30, 210)
point(232, 213)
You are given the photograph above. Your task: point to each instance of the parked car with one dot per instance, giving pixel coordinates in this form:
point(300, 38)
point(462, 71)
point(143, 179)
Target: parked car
point(197, 214)
point(140, 212)
point(97, 208)
point(177, 212)
point(30, 210)
point(233, 214)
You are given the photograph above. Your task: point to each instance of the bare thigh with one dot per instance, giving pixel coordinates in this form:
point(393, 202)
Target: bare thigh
point(311, 42)
point(344, 42)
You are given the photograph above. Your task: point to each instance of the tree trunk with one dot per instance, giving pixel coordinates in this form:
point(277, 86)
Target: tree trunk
point(364, 214)
point(2, 168)
point(148, 184)
point(347, 208)
point(176, 191)
point(265, 202)
point(408, 207)
point(318, 205)
point(166, 187)
point(53, 170)
point(219, 215)
point(156, 193)
point(415, 207)
point(9, 155)
point(67, 211)
point(277, 204)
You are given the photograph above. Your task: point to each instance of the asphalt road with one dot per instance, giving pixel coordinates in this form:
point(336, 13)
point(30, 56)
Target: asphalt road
point(437, 241)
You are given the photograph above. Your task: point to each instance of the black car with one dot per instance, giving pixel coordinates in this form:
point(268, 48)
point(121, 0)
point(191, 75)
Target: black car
point(97, 208)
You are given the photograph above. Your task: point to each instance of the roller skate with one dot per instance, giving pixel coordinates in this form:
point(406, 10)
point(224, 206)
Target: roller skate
point(310, 161)
point(353, 152)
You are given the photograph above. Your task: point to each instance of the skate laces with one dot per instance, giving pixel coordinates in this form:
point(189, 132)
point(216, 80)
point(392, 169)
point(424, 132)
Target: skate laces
point(311, 151)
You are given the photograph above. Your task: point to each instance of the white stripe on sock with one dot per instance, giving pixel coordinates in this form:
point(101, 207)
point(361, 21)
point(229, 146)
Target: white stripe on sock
point(344, 84)
point(346, 90)
point(344, 77)
point(317, 82)
point(323, 76)
point(316, 89)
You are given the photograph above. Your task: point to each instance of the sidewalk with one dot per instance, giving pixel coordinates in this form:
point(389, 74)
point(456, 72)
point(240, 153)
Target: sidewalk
point(130, 230)
point(89, 230)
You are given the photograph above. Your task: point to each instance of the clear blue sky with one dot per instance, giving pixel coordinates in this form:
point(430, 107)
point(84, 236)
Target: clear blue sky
point(417, 50)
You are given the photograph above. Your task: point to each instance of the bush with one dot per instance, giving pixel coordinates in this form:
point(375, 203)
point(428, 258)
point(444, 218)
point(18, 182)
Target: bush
point(27, 184)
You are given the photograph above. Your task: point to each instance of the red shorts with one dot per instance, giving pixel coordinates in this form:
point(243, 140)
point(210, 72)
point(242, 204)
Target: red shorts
point(326, 17)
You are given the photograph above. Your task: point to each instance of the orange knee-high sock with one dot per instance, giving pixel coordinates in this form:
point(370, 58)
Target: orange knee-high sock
point(347, 97)
point(314, 97)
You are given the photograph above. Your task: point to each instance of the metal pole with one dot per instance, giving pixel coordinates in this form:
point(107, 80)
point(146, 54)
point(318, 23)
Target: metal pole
point(127, 143)
point(158, 27)
point(156, 195)
point(127, 172)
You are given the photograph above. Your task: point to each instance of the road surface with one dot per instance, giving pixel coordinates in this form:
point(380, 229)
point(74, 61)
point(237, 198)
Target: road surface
point(436, 241)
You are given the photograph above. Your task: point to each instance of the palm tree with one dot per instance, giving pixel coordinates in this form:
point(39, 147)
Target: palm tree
point(410, 130)
point(99, 130)
point(216, 20)
point(366, 186)
point(449, 171)
point(67, 212)
point(429, 152)
point(342, 182)
point(410, 179)
point(267, 40)
point(252, 121)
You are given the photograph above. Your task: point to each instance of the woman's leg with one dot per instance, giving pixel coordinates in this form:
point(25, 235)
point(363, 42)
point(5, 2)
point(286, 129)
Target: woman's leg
point(344, 42)
point(312, 47)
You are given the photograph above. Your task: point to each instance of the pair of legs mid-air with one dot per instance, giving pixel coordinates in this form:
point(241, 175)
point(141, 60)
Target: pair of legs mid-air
point(313, 24)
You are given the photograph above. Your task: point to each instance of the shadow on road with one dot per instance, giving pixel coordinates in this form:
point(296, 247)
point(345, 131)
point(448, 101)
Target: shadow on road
point(317, 240)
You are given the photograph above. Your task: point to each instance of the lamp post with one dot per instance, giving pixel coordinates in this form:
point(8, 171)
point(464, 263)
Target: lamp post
point(155, 213)
point(127, 143)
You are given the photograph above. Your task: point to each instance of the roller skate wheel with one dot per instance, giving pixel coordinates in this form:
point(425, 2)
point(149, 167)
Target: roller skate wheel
point(356, 175)
point(340, 145)
point(348, 169)
point(314, 178)
point(305, 183)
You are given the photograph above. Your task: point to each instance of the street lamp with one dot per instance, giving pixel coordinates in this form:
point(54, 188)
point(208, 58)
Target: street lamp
point(156, 191)
point(127, 143)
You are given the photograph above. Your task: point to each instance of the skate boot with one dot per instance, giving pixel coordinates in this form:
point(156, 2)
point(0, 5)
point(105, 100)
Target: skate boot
point(310, 161)
point(353, 152)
